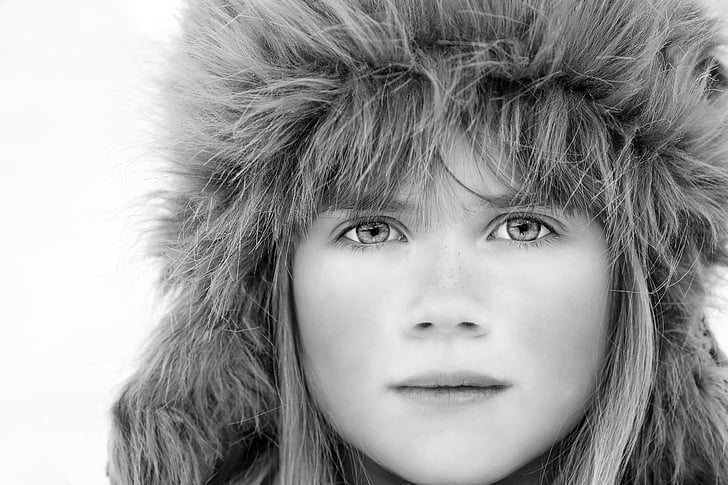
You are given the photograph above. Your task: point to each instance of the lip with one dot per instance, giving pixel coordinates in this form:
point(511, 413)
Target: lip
point(463, 378)
point(450, 388)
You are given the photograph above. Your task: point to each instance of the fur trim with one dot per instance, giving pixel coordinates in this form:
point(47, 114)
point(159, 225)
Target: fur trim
point(262, 94)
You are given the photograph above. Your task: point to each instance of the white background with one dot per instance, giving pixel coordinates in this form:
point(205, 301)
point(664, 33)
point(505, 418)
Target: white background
point(76, 297)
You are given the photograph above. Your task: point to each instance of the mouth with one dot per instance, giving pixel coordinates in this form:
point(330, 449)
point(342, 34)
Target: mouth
point(454, 388)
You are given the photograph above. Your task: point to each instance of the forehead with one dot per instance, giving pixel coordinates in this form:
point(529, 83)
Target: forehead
point(460, 176)
point(394, 140)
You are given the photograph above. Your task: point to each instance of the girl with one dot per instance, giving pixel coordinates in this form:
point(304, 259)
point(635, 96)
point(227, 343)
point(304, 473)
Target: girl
point(438, 242)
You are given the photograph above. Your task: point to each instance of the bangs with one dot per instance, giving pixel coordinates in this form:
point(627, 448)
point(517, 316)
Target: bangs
point(388, 136)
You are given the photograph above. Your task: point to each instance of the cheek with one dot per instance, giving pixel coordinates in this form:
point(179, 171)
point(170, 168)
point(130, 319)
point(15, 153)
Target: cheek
point(334, 307)
point(561, 325)
point(342, 325)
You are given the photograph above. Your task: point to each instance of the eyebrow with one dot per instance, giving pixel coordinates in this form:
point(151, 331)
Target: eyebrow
point(504, 201)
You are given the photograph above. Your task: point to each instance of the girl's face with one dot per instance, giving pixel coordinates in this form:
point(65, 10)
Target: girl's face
point(460, 351)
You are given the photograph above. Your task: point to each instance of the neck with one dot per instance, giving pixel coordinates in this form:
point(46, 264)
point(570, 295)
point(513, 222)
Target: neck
point(361, 470)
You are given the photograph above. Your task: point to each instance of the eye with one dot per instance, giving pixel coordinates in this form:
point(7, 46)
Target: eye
point(523, 229)
point(372, 232)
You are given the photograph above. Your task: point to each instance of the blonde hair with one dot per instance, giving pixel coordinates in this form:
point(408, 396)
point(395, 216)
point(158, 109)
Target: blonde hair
point(279, 108)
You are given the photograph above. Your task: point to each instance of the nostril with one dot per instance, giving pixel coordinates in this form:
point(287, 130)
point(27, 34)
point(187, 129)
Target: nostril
point(464, 324)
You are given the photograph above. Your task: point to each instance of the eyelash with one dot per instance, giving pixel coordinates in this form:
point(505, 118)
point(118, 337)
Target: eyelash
point(353, 245)
point(538, 243)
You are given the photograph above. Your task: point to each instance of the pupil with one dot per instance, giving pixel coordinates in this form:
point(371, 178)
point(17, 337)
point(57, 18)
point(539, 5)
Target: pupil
point(373, 233)
point(523, 229)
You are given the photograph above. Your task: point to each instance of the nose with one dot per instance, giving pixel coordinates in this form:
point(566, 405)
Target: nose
point(449, 295)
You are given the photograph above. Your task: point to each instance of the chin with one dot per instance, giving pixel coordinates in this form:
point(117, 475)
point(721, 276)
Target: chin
point(454, 456)
point(464, 470)
point(453, 476)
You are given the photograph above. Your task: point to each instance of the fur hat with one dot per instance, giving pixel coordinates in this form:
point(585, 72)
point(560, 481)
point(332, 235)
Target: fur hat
point(275, 108)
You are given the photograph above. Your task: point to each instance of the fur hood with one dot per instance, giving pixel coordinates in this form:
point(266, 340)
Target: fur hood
point(260, 93)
